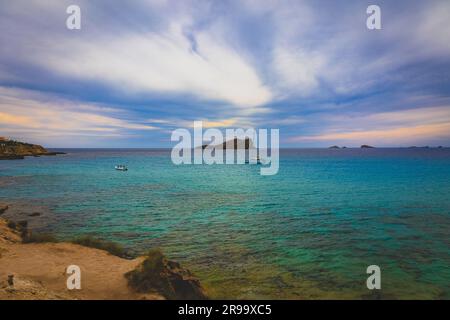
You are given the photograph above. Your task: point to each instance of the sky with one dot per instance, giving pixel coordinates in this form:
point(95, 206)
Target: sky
point(139, 69)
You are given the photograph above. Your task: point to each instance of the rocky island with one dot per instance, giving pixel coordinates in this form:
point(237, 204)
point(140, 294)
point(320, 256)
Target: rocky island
point(13, 150)
point(236, 143)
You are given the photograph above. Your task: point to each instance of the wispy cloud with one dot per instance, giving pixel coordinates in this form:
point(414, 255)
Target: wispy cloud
point(388, 128)
point(165, 63)
point(30, 114)
point(206, 123)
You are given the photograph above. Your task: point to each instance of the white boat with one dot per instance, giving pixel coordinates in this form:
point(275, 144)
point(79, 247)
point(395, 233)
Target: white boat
point(121, 167)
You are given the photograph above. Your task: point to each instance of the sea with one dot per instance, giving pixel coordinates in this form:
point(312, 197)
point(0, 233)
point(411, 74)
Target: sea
point(308, 232)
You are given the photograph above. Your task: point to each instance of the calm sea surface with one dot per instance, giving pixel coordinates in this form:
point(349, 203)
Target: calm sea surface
point(308, 232)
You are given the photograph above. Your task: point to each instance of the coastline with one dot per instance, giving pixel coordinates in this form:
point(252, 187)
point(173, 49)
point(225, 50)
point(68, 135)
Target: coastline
point(15, 150)
point(36, 269)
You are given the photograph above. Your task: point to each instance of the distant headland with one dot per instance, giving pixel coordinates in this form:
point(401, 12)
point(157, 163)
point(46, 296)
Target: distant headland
point(13, 150)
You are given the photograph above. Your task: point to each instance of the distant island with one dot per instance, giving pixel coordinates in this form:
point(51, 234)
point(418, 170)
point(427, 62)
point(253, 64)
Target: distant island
point(12, 150)
point(364, 146)
point(236, 144)
point(426, 147)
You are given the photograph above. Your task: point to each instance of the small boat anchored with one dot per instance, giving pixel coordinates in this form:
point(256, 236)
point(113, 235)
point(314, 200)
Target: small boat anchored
point(121, 167)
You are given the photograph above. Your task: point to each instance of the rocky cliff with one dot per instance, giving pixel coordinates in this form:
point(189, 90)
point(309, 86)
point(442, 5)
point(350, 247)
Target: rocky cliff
point(37, 270)
point(10, 149)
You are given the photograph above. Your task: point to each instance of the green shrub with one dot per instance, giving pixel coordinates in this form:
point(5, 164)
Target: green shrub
point(148, 276)
point(111, 247)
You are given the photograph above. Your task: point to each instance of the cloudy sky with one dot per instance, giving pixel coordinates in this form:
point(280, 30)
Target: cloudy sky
point(139, 69)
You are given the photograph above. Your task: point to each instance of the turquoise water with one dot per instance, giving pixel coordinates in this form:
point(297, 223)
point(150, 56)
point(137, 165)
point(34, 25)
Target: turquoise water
point(308, 232)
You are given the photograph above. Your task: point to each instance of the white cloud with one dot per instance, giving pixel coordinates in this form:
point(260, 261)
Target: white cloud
point(297, 70)
point(161, 63)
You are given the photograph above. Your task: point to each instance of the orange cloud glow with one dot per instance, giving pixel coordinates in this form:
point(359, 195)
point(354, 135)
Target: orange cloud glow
point(403, 134)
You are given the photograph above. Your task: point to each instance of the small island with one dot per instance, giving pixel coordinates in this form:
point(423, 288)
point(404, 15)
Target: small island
point(236, 143)
point(14, 150)
point(365, 146)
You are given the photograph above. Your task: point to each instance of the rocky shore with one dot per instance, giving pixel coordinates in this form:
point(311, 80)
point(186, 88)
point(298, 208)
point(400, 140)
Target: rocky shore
point(34, 267)
point(14, 150)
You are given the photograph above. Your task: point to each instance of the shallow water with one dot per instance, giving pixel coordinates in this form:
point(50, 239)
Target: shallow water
point(308, 232)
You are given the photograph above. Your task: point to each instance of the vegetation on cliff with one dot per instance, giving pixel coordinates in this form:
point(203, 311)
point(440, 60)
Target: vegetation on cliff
point(109, 246)
point(156, 273)
point(236, 143)
point(35, 262)
point(11, 149)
